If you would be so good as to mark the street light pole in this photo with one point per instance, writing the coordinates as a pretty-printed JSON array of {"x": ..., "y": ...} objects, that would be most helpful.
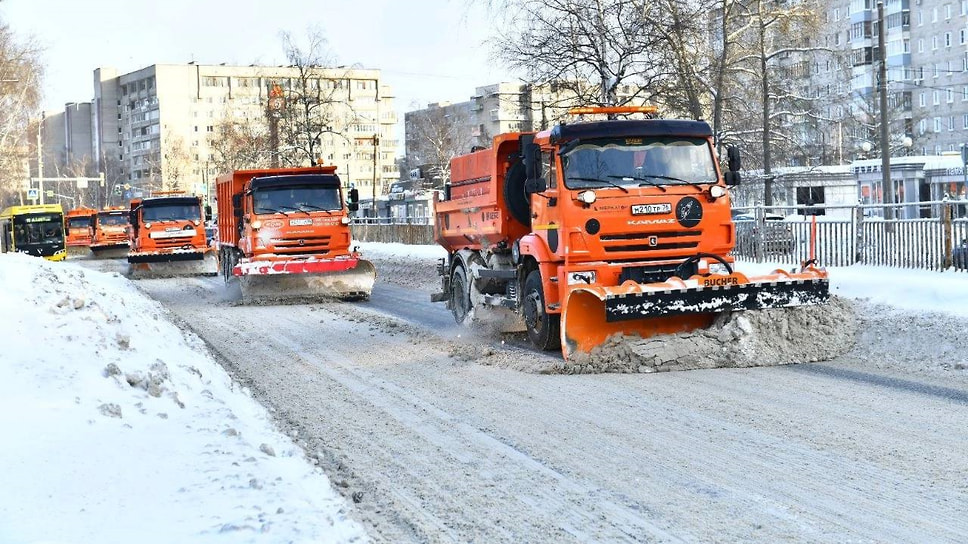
[
  {"x": 376, "y": 151},
  {"x": 886, "y": 185}
]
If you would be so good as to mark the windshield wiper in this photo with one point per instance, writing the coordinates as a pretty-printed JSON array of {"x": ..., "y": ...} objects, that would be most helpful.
[
  {"x": 599, "y": 180},
  {"x": 316, "y": 208},
  {"x": 263, "y": 210},
  {"x": 634, "y": 178},
  {"x": 670, "y": 178}
]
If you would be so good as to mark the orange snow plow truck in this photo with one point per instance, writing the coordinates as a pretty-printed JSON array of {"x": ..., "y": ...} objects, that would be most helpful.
[
  {"x": 598, "y": 228},
  {"x": 110, "y": 233},
  {"x": 80, "y": 229},
  {"x": 168, "y": 237},
  {"x": 285, "y": 233}
]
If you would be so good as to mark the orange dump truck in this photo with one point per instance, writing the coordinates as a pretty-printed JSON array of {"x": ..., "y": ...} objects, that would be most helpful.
[
  {"x": 110, "y": 233},
  {"x": 80, "y": 230},
  {"x": 167, "y": 237},
  {"x": 597, "y": 228},
  {"x": 285, "y": 234}
]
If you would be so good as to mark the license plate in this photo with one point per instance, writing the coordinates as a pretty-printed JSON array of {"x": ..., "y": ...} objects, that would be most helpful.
[
  {"x": 651, "y": 209},
  {"x": 300, "y": 222}
]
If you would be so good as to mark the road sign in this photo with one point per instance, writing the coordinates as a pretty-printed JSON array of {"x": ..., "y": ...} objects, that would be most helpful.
[
  {"x": 127, "y": 195},
  {"x": 49, "y": 194},
  {"x": 33, "y": 194},
  {"x": 81, "y": 183}
]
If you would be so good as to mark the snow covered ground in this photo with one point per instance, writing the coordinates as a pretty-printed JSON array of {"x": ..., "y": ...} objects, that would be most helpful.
[{"x": 119, "y": 427}]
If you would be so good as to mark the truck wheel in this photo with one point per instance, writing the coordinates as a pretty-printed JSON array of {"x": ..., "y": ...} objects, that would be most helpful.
[
  {"x": 460, "y": 295},
  {"x": 543, "y": 328}
]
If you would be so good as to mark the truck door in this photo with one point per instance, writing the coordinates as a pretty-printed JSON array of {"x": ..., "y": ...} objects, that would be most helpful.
[{"x": 545, "y": 216}]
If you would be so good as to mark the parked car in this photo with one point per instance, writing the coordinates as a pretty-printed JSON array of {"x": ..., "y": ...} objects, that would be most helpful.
[
  {"x": 959, "y": 255},
  {"x": 778, "y": 236}
]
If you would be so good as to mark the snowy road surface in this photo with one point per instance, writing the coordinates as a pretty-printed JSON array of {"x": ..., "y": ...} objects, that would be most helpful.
[{"x": 440, "y": 439}]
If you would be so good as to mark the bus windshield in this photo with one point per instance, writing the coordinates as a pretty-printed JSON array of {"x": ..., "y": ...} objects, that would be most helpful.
[
  {"x": 168, "y": 212},
  {"x": 305, "y": 198},
  {"x": 34, "y": 229},
  {"x": 79, "y": 222},
  {"x": 113, "y": 219},
  {"x": 639, "y": 162}
]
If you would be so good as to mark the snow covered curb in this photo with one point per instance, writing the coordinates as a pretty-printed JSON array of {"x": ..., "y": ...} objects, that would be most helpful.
[{"x": 120, "y": 427}]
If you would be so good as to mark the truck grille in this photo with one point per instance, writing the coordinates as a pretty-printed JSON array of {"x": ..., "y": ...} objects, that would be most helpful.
[
  {"x": 168, "y": 243},
  {"x": 650, "y": 241},
  {"x": 309, "y": 244}
]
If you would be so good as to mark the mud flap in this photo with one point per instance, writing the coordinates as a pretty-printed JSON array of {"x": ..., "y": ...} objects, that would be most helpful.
[
  {"x": 592, "y": 314},
  {"x": 354, "y": 283},
  {"x": 149, "y": 266}
]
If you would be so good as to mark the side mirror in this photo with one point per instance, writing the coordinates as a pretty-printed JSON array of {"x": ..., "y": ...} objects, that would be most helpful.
[
  {"x": 732, "y": 178},
  {"x": 732, "y": 159},
  {"x": 208, "y": 212},
  {"x": 352, "y": 206},
  {"x": 535, "y": 185},
  {"x": 237, "y": 201}
]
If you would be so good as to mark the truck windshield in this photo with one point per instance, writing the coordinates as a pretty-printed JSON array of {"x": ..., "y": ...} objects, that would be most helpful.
[
  {"x": 303, "y": 198},
  {"x": 635, "y": 162},
  {"x": 170, "y": 212},
  {"x": 79, "y": 222},
  {"x": 113, "y": 219},
  {"x": 38, "y": 229}
]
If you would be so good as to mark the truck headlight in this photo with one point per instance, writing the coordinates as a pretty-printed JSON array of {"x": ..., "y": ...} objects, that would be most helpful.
[
  {"x": 717, "y": 191},
  {"x": 147, "y": 226},
  {"x": 587, "y": 197},
  {"x": 581, "y": 278},
  {"x": 345, "y": 220},
  {"x": 257, "y": 224}
]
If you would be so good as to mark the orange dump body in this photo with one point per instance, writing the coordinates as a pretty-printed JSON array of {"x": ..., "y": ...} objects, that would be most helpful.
[
  {"x": 80, "y": 227},
  {"x": 627, "y": 222}
]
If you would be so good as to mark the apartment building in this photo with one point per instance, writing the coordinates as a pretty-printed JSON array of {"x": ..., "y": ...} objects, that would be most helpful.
[
  {"x": 154, "y": 127},
  {"x": 498, "y": 108},
  {"x": 927, "y": 75}
]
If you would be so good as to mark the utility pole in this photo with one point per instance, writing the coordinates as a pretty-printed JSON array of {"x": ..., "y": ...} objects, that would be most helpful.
[
  {"x": 40, "y": 159},
  {"x": 886, "y": 185},
  {"x": 376, "y": 151}
]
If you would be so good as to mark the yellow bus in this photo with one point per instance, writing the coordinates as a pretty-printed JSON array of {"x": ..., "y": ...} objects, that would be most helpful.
[{"x": 34, "y": 230}]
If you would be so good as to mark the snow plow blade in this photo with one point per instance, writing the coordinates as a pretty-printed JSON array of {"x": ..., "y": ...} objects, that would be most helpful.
[
  {"x": 309, "y": 280},
  {"x": 171, "y": 265},
  {"x": 78, "y": 251},
  {"x": 594, "y": 313},
  {"x": 116, "y": 251}
]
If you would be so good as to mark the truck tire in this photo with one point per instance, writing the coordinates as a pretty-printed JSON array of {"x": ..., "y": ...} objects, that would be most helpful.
[
  {"x": 543, "y": 328},
  {"x": 460, "y": 295}
]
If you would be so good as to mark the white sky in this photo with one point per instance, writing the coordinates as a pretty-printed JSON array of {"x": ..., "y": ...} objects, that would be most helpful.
[{"x": 428, "y": 50}]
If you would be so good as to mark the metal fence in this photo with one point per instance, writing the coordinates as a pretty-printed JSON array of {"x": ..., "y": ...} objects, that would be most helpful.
[{"x": 857, "y": 235}]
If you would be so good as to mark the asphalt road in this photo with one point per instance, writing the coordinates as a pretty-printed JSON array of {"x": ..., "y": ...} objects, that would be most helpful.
[{"x": 436, "y": 446}]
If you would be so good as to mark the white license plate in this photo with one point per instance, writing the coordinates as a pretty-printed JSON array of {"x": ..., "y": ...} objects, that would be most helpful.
[
  {"x": 651, "y": 209},
  {"x": 300, "y": 222}
]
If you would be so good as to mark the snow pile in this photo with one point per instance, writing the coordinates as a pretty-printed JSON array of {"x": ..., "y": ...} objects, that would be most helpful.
[
  {"x": 741, "y": 339},
  {"x": 413, "y": 267},
  {"x": 118, "y": 427}
]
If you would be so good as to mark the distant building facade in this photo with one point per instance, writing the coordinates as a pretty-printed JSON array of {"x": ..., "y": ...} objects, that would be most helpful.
[{"x": 158, "y": 122}]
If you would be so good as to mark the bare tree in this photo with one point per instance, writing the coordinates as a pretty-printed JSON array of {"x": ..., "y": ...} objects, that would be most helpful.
[
  {"x": 176, "y": 166},
  {"x": 435, "y": 137},
  {"x": 311, "y": 104},
  {"x": 573, "y": 42},
  {"x": 239, "y": 143},
  {"x": 21, "y": 74}
]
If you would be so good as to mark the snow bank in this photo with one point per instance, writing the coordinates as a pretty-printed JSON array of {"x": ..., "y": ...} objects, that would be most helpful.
[
  {"x": 905, "y": 288},
  {"x": 118, "y": 427}
]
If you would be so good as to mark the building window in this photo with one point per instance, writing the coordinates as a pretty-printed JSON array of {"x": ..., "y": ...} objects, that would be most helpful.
[
  {"x": 935, "y": 99},
  {"x": 949, "y": 95},
  {"x": 937, "y": 124},
  {"x": 947, "y": 12},
  {"x": 934, "y": 43},
  {"x": 947, "y": 39},
  {"x": 921, "y": 100},
  {"x": 964, "y": 121},
  {"x": 920, "y": 45}
]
